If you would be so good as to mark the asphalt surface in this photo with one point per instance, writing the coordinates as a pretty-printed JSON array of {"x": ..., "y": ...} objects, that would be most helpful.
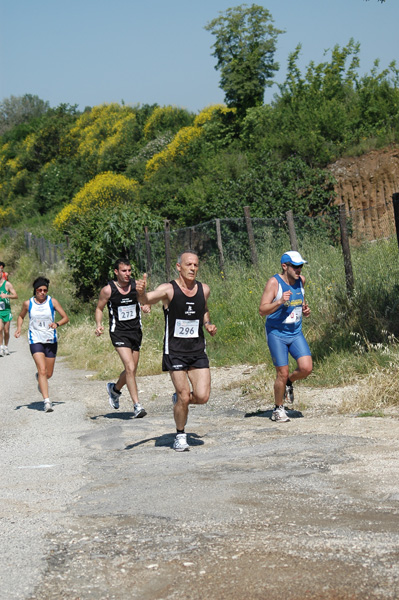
[{"x": 97, "y": 505}]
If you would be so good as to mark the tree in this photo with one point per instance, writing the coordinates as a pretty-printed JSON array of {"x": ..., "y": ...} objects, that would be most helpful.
[
  {"x": 20, "y": 109},
  {"x": 244, "y": 48}
]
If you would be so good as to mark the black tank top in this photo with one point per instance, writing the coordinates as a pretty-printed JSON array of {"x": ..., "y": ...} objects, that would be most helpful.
[
  {"x": 124, "y": 309},
  {"x": 184, "y": 317}
]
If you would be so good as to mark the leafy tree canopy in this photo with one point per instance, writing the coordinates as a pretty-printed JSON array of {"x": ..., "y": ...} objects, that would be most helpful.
[
  {"x": 20, "y": 109},
  {"x": 244, "y": 48}
]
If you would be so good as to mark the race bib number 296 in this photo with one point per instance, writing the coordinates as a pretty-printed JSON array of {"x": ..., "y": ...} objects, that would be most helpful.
[{"x": 186, "y": 329}]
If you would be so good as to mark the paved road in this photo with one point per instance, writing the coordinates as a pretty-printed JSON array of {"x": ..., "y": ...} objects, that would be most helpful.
[{"x": 96, "y": 505}]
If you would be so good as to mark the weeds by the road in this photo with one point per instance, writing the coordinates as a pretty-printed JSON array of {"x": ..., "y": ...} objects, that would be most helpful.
[{"x": 353, "y": 339}]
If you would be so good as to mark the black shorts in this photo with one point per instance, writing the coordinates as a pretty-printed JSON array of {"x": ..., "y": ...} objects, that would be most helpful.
[
  {"x": 175, "y": 363},
  {"x": 127, "y": 339},
  {"x": 49, "y": 350}
]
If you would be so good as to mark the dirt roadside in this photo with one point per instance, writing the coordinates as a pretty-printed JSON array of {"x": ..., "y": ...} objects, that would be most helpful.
[{"x": 96, "y": 505}]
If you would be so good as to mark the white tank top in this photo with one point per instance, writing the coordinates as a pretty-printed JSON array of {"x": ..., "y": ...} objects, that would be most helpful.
[{"x": 40, "y": 318}]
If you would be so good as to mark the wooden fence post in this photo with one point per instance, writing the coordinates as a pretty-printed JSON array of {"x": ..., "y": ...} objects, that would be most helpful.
[
  {"x": 42, "y": 252},
  {"x": 395, "y": 200},
  {"x": 350, "y": 284},
  {"x": 291, "y": 230},
  {"x": 251, "y": 237},
  {"x": 167, "y": 248},
  {"x": 148, "y": 250},
  {"x": 220, "y": 247}
]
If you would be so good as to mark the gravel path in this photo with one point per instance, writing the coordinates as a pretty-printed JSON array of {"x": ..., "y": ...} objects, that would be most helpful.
[{"x": 96, "y": 505}]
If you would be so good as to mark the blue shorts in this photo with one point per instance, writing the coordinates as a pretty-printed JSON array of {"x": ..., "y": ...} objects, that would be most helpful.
[
  {"x": 49, "y": 350},
  {"x": 279, "y": 348}
]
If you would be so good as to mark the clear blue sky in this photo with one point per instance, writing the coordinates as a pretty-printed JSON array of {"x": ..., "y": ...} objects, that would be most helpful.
[{"x": 89, "y": 52}]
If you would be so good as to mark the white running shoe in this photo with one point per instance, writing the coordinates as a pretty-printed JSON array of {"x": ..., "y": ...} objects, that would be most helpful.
[
  {"x": 6, "y": 351},
  {"x": 113, "y": 395},
  {"x": 48, "y": 406},
  {"x": 180, "y": 443},
  {"x": 139, "y": 411},
  {"x": 279, "y": 415},
  {"x": 1, "y": 351}
]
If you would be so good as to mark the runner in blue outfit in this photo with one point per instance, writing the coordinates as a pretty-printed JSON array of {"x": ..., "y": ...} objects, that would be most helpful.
[{"x": 283, "y": 303}]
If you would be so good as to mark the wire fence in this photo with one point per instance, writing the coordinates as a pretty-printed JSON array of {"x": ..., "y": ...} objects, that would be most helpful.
[
  {"x": 47, "y": 252},
  {"x": 232, "y": 240}
]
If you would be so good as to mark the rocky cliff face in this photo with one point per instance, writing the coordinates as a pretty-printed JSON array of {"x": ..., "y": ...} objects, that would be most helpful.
[{"x": 365, "y": 185}]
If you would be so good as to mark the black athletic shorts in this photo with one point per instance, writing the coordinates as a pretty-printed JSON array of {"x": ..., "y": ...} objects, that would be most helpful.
[
  {"x": 49, "y": 350},
  {"x": 175, "y": 363},
  {"x": 127, "y": 339}
]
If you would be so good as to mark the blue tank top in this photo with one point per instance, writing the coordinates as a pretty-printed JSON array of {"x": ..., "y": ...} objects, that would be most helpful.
[{"x": 287, "y": 320}]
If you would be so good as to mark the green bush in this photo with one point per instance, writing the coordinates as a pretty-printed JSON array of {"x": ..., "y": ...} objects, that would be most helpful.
[{"x": 98, "y": 239}]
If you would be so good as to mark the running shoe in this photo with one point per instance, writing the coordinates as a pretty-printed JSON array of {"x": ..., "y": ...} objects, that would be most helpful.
[
  {"x": 279, "y": 414},
  {"x": 139, "y": 411},
  {"x": 6, "y": 351},
  {"x": 1, "y": 351},
  {"x": 289, "y": 394},
  {"x": 180, "y": 443},
  {"x": 113, "y": 395},
  {"x": 48, "y": 406}
]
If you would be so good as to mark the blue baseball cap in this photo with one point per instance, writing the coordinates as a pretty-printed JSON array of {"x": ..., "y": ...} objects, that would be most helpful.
[{"x": 293, "y": 257}]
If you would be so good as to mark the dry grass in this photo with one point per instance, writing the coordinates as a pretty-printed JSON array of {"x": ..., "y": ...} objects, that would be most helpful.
[
  {"x": 83, "y": 350},
  {"x": 377, "y": 391}
]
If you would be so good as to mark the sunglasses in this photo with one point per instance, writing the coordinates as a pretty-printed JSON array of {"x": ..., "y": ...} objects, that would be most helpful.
[
  {"x": 295, "y": 266},
  {"x": 42, "y": 290}
]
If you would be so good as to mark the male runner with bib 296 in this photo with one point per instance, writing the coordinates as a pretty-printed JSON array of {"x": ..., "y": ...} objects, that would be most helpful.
[
  {"x": 120, "y": 295},
  {"x": 186, "y": 314},
  {"x": 283, "y": 303}
]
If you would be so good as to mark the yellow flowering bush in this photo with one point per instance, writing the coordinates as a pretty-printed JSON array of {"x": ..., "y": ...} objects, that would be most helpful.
[
  {"x": 166, "y": 118},
  {"x": 208, "y": 112},
  {"x": 29, "y": 142},
  {"x": 99, "y": 131},
  {"x": 18, "y": 183},
  {"x": 118, "y": 136},
  {"x": 8, "y": 166},
  {"x": 178, "y": 146},
  {"x": 6, "y": 216},
  {"x": 105, "y": 190},
  {"x": 183, "y": 138}
]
